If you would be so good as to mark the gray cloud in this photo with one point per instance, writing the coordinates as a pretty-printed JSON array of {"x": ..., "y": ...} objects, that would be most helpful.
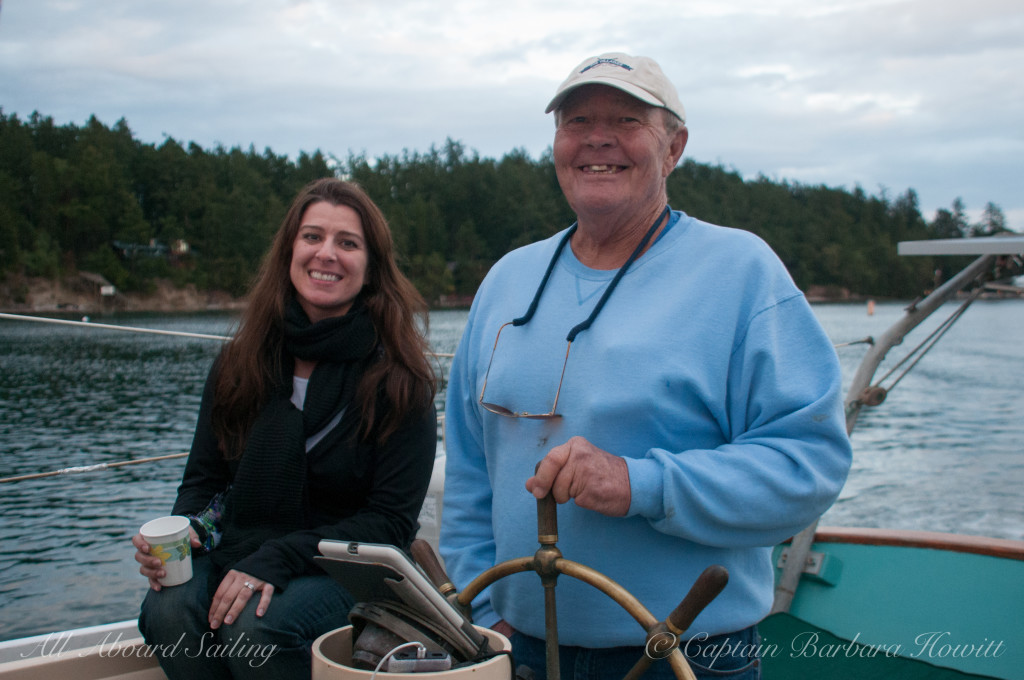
[{"x": 885, "y": 93}]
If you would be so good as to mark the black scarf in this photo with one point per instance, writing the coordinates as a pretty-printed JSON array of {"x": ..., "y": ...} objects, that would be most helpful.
[{"x": 267, "y": 498}]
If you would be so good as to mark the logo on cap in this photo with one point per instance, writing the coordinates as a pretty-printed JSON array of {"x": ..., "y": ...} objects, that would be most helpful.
[{"x": 613, "y": 62}]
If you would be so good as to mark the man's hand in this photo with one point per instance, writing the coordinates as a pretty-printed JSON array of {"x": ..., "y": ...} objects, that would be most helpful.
[{"x": 578, "y": 470}]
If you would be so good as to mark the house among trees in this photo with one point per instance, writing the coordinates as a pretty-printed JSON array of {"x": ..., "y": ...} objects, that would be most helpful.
[{"x": 129, "y": 251}]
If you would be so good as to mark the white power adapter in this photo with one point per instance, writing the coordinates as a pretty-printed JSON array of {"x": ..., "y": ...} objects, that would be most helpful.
[{"x": 419, "y": 661}]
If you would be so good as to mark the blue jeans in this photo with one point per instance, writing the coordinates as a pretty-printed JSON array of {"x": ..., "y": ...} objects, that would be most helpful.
[
  {"x": 277, "y": 645},
  {"x": 732, "y": 656}
]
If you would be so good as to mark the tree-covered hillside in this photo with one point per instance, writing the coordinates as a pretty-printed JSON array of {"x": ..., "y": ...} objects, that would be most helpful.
[{"x": 95, "y": 199}]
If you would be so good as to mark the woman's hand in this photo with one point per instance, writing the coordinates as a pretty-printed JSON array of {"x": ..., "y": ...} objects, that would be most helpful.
[
  {"x": 151, "y": 566},
  {"x": 234, "y": 592}
]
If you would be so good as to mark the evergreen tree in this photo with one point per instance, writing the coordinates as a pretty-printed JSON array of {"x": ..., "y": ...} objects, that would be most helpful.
[
  {"x": 992, "y": 222},
  {"x": 94, "y": 198},
  {"x": 950, "y": 223}
]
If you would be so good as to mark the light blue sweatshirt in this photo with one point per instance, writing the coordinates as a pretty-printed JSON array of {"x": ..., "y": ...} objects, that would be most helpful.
[{"x": 706, "y": 370}]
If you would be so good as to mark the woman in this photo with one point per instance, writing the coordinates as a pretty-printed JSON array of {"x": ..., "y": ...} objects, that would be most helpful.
[{"x": 317, "y": 421}]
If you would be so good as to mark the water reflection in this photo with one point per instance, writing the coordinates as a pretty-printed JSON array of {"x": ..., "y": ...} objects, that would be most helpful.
[{"x": 943, "y": 453}]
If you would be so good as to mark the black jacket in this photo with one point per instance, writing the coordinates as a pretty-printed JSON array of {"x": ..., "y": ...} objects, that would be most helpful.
[{"x": 355, "y": 490}]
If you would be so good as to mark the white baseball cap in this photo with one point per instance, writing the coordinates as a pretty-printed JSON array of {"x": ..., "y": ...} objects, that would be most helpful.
[{"x": 640, "y": 77}]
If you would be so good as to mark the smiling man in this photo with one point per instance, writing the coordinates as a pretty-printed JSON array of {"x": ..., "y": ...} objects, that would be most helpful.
[{"x": 661, "y": 377}]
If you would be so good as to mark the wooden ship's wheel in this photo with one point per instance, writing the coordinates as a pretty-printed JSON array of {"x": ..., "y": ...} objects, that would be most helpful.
[{"x": 663, "y": 637}]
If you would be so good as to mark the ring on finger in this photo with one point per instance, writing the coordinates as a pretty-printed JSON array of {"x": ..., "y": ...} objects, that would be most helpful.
[{"x": 249, "y": 586}]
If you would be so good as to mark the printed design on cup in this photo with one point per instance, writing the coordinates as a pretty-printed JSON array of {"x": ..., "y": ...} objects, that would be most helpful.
[{"x": 173, "y": 552}]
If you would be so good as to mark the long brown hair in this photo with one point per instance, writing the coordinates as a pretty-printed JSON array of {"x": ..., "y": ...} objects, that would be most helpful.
[{"x": 251, "y": 361}]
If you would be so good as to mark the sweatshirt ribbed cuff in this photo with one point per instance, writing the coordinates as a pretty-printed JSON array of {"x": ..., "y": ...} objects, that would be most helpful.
[{"x": 646, "y": 488}]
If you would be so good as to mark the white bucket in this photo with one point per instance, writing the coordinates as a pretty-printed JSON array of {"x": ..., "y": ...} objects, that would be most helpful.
[{"x": 332, "y": 652}]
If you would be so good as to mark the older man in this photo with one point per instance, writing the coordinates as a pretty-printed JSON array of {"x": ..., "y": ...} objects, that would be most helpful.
[{"x": 670, "y": 380}]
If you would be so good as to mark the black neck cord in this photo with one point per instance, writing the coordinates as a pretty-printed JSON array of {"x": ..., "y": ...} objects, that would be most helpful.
[{"x": 577, "y": 329}]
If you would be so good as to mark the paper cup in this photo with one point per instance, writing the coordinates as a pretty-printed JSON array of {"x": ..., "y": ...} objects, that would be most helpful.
[{"x": 168, "y": 539}]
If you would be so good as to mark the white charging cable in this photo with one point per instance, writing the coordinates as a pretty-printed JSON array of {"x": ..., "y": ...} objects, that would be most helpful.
[{"x": 421, "y": 650}]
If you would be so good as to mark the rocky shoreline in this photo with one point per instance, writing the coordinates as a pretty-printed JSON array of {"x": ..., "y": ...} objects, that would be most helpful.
[{"x": 82, "y": 295}]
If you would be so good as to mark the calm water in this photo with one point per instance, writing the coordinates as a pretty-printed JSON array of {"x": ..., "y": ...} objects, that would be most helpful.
[{"x": 942, "y": 454}]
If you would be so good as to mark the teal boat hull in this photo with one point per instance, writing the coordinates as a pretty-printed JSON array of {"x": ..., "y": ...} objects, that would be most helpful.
[{"x": 945, "y": 600}]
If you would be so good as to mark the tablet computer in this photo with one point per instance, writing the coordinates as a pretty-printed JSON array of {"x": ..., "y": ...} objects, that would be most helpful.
[{"x": 375, "y": 572}]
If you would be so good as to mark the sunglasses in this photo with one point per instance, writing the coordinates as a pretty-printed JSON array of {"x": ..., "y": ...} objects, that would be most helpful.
[{"x": 576, "y": 330}]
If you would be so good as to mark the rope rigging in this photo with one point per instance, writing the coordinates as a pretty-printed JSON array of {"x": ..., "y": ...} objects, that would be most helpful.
[
  {"x": 875, "y": 394},
  {"x": 90, "y": 468}
]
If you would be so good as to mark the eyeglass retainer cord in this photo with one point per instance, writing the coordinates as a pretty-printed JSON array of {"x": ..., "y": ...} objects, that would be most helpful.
[{"x": 577, "y": 329}]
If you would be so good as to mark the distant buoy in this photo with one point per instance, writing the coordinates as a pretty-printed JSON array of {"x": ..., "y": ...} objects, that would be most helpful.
[{"x": 871, "y": 307}]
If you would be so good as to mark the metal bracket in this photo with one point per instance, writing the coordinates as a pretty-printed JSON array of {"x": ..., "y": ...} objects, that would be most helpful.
[{"x": 818, "y": 566}]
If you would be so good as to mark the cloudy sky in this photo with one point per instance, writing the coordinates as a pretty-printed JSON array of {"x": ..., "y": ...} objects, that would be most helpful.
[{"x": 882, "y": 94}]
